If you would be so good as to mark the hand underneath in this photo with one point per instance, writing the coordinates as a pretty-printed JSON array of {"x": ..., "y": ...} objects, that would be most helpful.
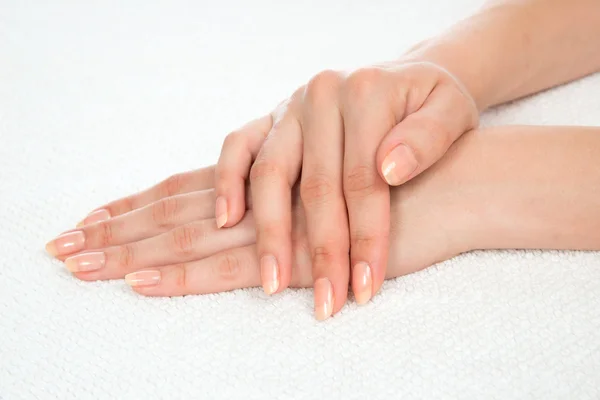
[
  {"x": 345, "y": 137},
  {"x": 165, "y": 241}
]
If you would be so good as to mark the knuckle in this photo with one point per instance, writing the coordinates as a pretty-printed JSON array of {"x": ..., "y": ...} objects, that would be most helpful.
[
  {"x": 362, "y": 83},
  {"x": 367, "y": 240},
  {"x": 228, "y": 267},
  {"x": 322, "y": 256},
  {"x": 128, "y": 204},
  {"x": 323, "y": 86},
  {"x": 233, "y": 139},
  {"x": 360, "y": 181},
  {"x": 180, "y": 279},
  {"x": 183, "y": 240},
  {"x": 173, "y": 185},
  {"x": 264, "y": 169},
  {"x": 104, "y": 234},
  {"x": 164, "y": 211},
  {"x": 315, "y": 189},
  {"x": 126, "y": 261},
  {"x": 269, "y": 232},
  {"x": 294, "y": 98}
]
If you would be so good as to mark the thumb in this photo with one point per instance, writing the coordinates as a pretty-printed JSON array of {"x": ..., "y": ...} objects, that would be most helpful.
[{"x": 423, "y": 137}]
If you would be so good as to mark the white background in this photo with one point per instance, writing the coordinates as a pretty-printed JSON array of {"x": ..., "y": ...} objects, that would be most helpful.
[{"x": 101, "y": 99}]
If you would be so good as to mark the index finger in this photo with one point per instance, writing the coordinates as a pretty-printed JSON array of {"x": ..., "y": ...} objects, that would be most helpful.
[{"x": 186, "y": 182}]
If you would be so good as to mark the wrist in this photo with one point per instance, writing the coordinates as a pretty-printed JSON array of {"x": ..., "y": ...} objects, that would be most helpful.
[
  {"x": 438, "y": 208},
  {"x": 484, "y": 52},
  {"x": 463, "y": 65},
  {"x": 524, "y": 187},
  {"x": 457, "y": 200}
]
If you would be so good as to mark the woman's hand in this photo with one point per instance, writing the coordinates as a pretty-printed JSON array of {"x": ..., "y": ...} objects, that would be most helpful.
[
  {"x": 345, "y": 137},
  {"x": 397, "y": 120},
  {"x": 166, "y": 243}
]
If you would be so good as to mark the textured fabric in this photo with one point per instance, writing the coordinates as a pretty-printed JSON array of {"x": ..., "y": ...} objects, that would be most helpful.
[{"x": 99, "y": 99}]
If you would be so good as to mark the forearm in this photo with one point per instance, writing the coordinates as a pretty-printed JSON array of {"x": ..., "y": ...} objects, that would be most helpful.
[
  {"x": 512, "y": 48},
  {"x": 527, "y": 187}
]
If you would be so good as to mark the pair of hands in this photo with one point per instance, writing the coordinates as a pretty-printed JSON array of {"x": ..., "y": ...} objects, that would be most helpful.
[{"x": 339, "y": 137}]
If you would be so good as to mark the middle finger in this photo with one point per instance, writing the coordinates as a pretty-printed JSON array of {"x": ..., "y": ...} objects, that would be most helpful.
[
  {"x": 148, "y": 221},
  {"x": 322, "y": 195},
  {"x": 193, "y": 241}
]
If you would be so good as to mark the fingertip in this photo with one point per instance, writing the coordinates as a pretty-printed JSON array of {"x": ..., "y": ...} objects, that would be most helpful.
[
  {"x": 340, "y": 296},
  {"x": 221, "y": 212},
  {"x": 399, "y": 165},
  {"x": 94, "y": 217},
  {"x": 362, "y": 282},
  {"x": 269, "y": 273},
  {"x": 323, "y": 299},
  {"x": 51, "y": 249},
  {"x": 230, "y": 204}
]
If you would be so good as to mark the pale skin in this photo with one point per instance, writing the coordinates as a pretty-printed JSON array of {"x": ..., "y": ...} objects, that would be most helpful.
[
  {"x": 347, "y": 136},
  {"x": 164, "y": 241},
  {"x": 343, "y": 138}
]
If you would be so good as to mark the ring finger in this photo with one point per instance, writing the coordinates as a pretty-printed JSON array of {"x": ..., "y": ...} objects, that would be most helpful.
[{"x": 186, "y": 182}]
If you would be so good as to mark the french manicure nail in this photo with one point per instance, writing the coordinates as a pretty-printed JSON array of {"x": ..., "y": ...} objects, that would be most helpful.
[
  {"x": 221, "y": 211},
  {"x": 398, "y": 165},
  {"x": 67, "y": 243},
  {"x": 362, "y": 283},
  {"x": 85, "y": 262},
  {"x": 323, "y": 299},
  {"x": 269, "y": 273},
  {"x": 95, "y": 216},
  {"x": 143, "y": 278}
]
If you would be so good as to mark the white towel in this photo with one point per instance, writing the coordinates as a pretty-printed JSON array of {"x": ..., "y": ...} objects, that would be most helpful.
[{"x": 99, "y": 99}]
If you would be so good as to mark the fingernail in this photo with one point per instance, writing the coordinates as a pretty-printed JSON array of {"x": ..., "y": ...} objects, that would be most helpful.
[
  {"x": 399, "y": 164},
  {"x": 269, "y": 273},
  {"x": 143, "y": 278},
  {"x": 323, "y": 299},
  {"x": 221, "y": 211},
  {"x": 67, "y": 243},
  {"x": 362, "y": 283},
  {"x": 85, "y": 262},
  {"x": 95, "y": 216}
]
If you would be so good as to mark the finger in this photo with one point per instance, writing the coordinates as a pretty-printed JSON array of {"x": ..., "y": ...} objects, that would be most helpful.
[
  {"x": 176, "y": 184},
  {"x": 232, "y": 269},
  {"x": 239, "y": 150},
  {"x": 369, "y": 112},
  {"x": 193, "y": 241},
  {"x": 271, "y": 179},
  {"x": 322, "y": 195},
  {"x": 423, "y": 138},
  {"x": 151, "y": 220}
]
